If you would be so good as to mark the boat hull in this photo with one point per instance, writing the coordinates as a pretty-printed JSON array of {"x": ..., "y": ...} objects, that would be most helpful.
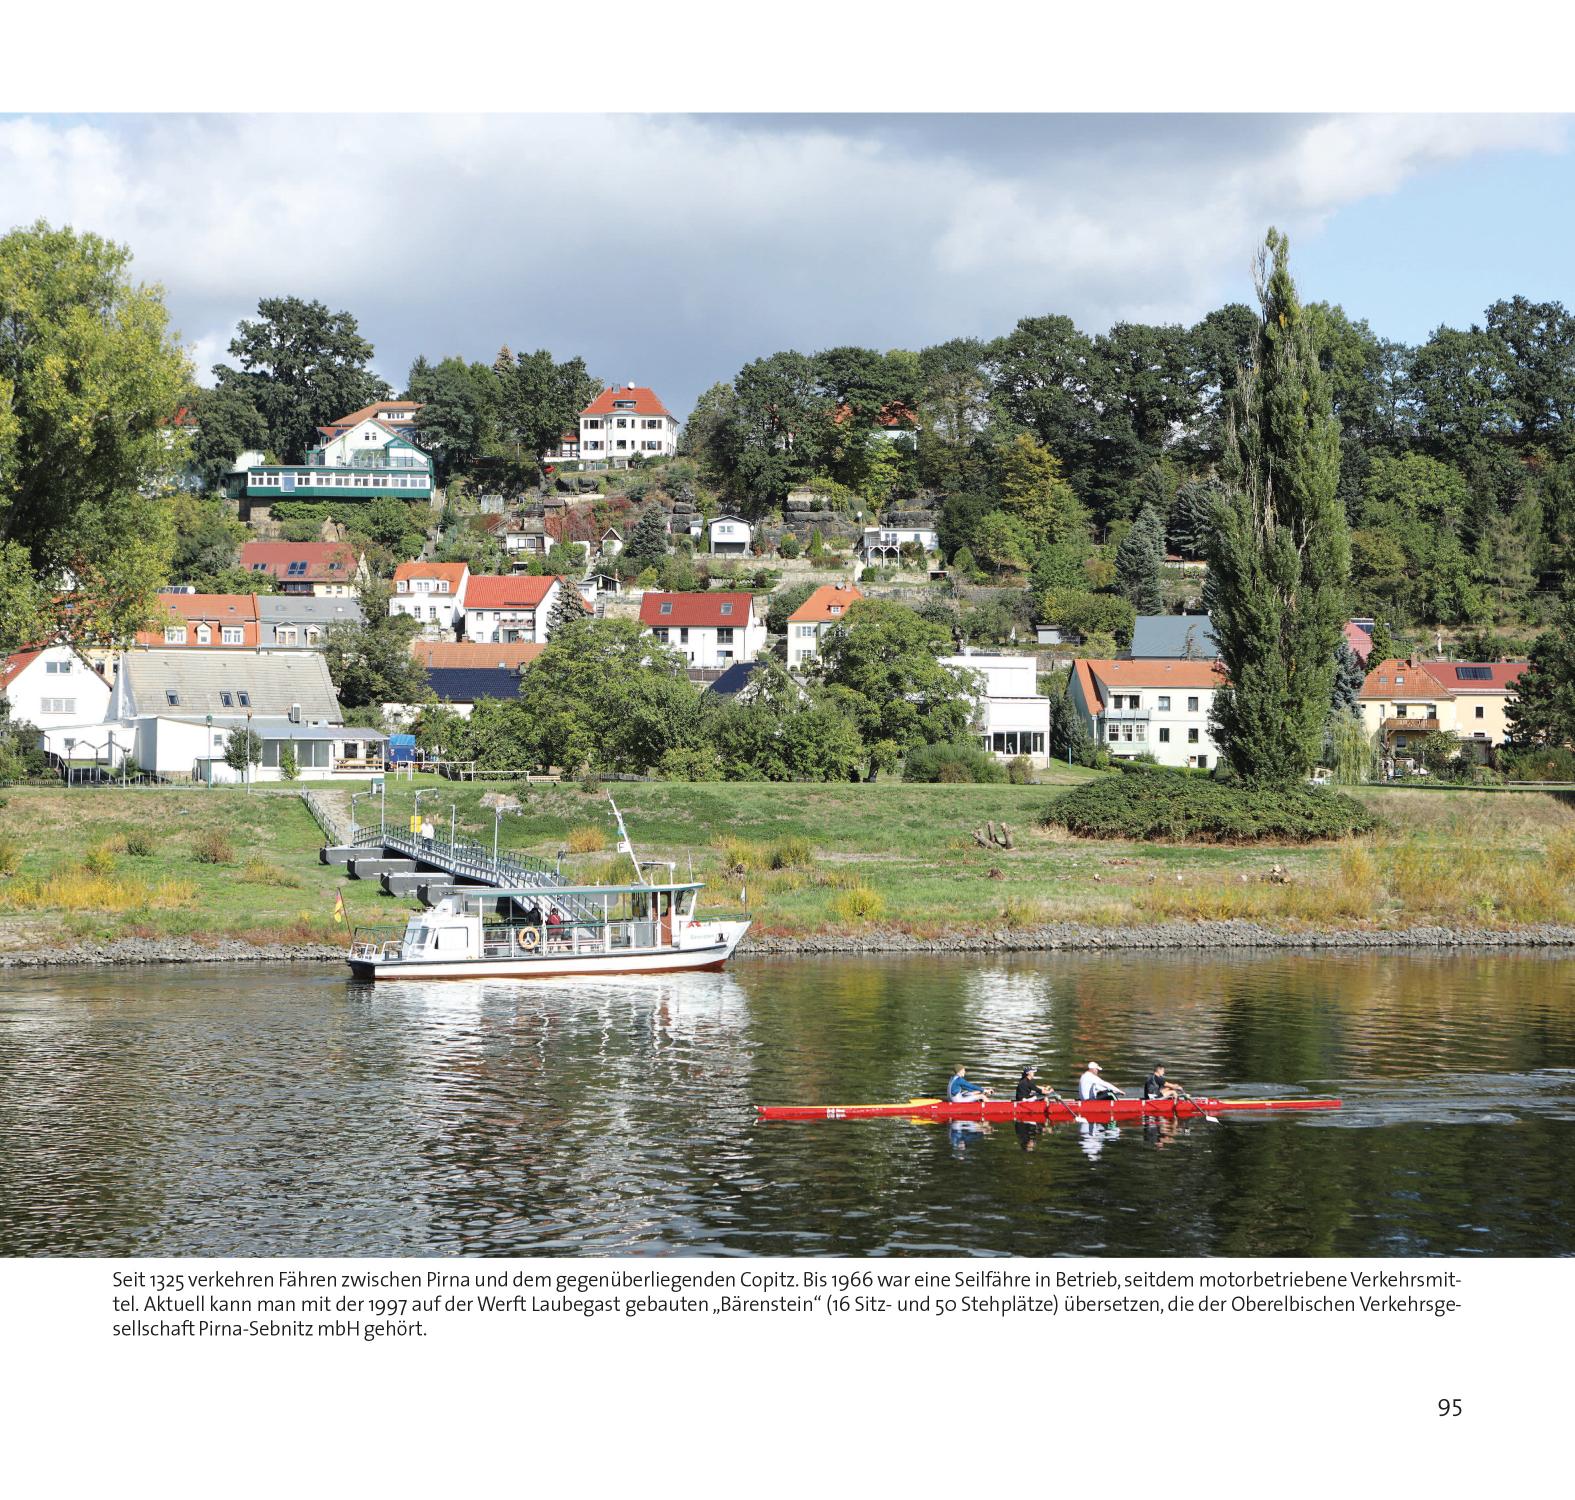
[
  {"x": 1100, "y": 1111},
  {"x": 551, "y": 965}
]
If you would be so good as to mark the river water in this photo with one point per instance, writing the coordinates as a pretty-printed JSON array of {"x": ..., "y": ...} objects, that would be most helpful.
[{"x": 285, "y": 1111}]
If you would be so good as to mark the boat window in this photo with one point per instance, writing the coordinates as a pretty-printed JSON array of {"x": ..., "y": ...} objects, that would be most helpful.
[
  {"x": 451, "y": 939},
  {"x": 416, "y": 935}
]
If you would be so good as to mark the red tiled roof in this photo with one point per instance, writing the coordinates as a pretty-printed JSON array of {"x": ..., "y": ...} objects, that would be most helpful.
[
  {"x": 16, "y": 664},
  {"x": 1396, "y": 677},
  {"x": 1086, "y": 680},
  {"x": 475, "y": 654},
  {"x": 319, "y": 558},
  {"x": 521, "y": 591},
  {"x": 695, "y": 609},
  {"x": 204, "y": 609},
  {"x": 828, "y": 602},
  {"x": 646, "y": 403},
  {"x": 1158, "y": 672},
  {"x": 453, "y": 572},
  {"x": 406, "y": 409},
  {"x": 894, "y": 414}
]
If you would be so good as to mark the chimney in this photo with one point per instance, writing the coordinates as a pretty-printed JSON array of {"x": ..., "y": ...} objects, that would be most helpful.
[{"x": 295, "y": 713}]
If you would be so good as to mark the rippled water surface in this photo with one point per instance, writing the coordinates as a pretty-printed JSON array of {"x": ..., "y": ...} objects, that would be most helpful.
[{"x": 284, "y": 1111}]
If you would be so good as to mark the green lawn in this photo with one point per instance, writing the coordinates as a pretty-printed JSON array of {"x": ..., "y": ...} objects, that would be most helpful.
[{"x": 813, "y": 858}]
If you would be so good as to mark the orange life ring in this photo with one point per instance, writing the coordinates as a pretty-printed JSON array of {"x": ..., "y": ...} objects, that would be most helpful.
[{"x": 527, "y": 938}]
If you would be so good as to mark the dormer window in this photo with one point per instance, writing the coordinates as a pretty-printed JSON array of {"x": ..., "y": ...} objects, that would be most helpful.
[
  {"x": 667, "y": 607},
  {"x": 836, "y": 609},
  {"x": 727, "y": 607},
  {"x": 204, "y": 635}
]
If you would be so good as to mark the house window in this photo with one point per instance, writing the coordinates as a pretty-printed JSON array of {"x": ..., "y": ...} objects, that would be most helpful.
[
  {"x": 727, "y": 607},
  {"x": 724, "y": 635},
  {"x": 227, "y": 700},
  {"x": 661, "y": 634},
  {"x": 1192, "y": 705},
  {"x": 593, "y": 422},
  {"x": 806, "y": 630},
  {"x": 65, "y": 666},
  {"x": 285, "y": 635},
  {"x": 404, "y": 585},
  {"x": 230, "y": 635},
  {"x": 1479, "y": 711},
  {"x": 1164, "y": 735},
  {"x": 243, "y": 698},
  {"x": 1164, "y": 702},
  {"x": 667, "y": 607},
  {"x": 1192, "y": 736},
  {"x": 172, "y": 698},
  {"x": 57, "y": 705},
  {"x": 174, "y": 635}
]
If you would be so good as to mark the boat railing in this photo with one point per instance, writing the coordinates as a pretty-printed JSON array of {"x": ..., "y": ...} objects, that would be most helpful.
[{"x": 525, "y": 939}]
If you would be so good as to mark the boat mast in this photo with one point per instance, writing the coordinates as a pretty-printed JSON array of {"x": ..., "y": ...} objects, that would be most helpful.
[{"x": 625, "y": 844}]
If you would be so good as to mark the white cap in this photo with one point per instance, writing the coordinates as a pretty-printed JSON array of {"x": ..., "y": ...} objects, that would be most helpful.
[{"x": 1093, "y": 1067}]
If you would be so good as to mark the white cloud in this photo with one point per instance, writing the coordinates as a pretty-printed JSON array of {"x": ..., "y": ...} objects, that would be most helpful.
[{"x": 673, "y": 248}]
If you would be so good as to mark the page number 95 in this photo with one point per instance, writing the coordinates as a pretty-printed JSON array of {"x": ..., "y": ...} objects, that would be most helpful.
[{"x": 1449, "y": 1406}]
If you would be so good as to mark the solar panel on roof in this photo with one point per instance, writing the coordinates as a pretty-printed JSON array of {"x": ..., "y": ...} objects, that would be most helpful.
[{"x": 1474, "y": 674}]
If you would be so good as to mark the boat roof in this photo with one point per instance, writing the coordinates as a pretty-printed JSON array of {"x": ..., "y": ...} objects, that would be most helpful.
[{"x": 537, "y": 891}]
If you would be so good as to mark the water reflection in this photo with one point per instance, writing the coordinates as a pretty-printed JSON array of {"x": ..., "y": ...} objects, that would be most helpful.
[{"x": 284, "y": 1112}]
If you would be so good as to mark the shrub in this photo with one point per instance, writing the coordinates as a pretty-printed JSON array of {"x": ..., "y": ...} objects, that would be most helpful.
[
  {"x": 788, "y": 546},
  {"x": 1020, "y": 771},
  {"x": 859, "y": 904},
  {"x": 1548, "y": 763},
  {"x": 212, "y": 847},
  {"x": 139, "y": 843},
  {"x": 587, "y": 838},
  {"x": 1018, "y": 913},
  {"x": 740, "y": 855},
  {"x": 10, "y": 856},
  {"x": 100, "y": 859},
  {"x": 259, "y": 872},
  {"x": 786, "y": 853},
  {"x": 957, "y": 762},
  {"x": 690, "y": 763},
  {"x": 1173, "y": 807},
  {"x": 289, "y": 767}
]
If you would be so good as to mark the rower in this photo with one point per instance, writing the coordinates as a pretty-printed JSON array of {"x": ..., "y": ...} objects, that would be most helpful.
[
  {"x": 1092, "y": 1086},
  {"x": 960, "y": 1091},
  {"x": 1027, "y": 1089},
  {"x": 1157, "y": 1086}
]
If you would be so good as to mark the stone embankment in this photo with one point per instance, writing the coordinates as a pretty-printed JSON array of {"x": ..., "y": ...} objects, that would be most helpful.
[{"x": 1057, "y": 937}]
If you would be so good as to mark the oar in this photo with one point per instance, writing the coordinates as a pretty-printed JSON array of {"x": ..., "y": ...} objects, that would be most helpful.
[
  {"x": 1071, "y": 1113},
  {"x": 1212, "y": 1119}
]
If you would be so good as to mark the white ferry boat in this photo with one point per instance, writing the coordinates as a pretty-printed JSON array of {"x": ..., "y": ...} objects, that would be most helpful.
[{"x": 550, "y": 931}]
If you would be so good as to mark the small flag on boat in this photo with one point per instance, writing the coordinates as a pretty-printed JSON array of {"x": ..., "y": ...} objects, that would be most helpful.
[
  {"x": 339, "y": 906},
  {"x": 743, "y": 895}
]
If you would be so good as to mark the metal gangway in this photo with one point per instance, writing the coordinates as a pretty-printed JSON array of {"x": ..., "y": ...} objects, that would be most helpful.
[{"x": 475, "y": 863}]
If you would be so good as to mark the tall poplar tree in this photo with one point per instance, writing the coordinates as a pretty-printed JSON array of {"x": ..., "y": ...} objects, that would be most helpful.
[{"x": 1279, "y": 555}]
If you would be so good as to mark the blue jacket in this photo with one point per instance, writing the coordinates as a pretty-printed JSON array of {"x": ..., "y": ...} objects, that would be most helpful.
[{"x": 960, "y": 1085}]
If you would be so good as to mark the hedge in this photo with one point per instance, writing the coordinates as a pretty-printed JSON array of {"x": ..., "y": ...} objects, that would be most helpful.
[{"x": 1171, "y": 806}]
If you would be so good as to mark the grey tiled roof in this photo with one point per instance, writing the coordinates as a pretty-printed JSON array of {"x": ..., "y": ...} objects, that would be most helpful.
[
  {"x": 274, "y": 681},
  {"x": 1166, "y": 635}
]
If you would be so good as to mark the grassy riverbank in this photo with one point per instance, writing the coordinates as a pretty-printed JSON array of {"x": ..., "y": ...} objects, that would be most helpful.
[{"x": 95, "y": 865}]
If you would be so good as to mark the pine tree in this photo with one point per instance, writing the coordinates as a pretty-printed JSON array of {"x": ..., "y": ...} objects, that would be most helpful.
[
  {"x": 1279, "y": 554},
  {"x": 567, "y": 607},
  {"x": 1348, "y": 678},
  {"x": 647, "y": 544},
  {"x": 1384, "y": 644},
  {"x": 1139, "y": 562}
]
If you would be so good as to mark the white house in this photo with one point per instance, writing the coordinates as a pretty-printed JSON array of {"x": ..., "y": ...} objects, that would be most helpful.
[
  {"x": 611, "y": 543},
  {"x": 431, "y": 592},
  {"x": 823, "y": 609},
  {"x": 1158, "y": 706},
  {"x": 52, "y": 686},
  {"x": 1014, "y": 716},
  {"x": 624, "y": 421},
  {"x": 728, "y": 536},
  {"x": 517, "y": 607},
  {"x": 707, "y": 630},
  {"x": 173, "y": 713},
  {"x": 884, "y": 544},
  {"x": 360, "y": 462}
]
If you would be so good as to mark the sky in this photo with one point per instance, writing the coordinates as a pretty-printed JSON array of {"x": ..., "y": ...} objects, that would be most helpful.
[{"x": 672, "y": 249}]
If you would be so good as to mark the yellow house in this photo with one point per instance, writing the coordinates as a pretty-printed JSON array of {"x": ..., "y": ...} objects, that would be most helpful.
[{"x": 1404, "y": 700}]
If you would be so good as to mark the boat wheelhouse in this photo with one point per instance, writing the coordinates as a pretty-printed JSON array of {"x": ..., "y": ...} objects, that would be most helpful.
[{"x": 649, "y": 927}]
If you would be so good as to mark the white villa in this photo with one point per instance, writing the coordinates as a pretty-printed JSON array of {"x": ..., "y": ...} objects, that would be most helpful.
[
  {"x": 817, "y": 614},
  {"x": 431, "y": 592},
  {"x": 883, "y": 544},
  {"x": 728, "y": 536},
  {"x": 1158, "y": 706},
  {"x": 516, "y": 607},
  {"x": 52, "y": 686},
  {"x": 626, "y": 420},
  {"x": 1014, "y": 716},
  {"x": 707, "y": 630}
]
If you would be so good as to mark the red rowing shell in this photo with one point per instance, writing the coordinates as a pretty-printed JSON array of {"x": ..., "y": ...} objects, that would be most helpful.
[{"x": 1101, "y": 1111}]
